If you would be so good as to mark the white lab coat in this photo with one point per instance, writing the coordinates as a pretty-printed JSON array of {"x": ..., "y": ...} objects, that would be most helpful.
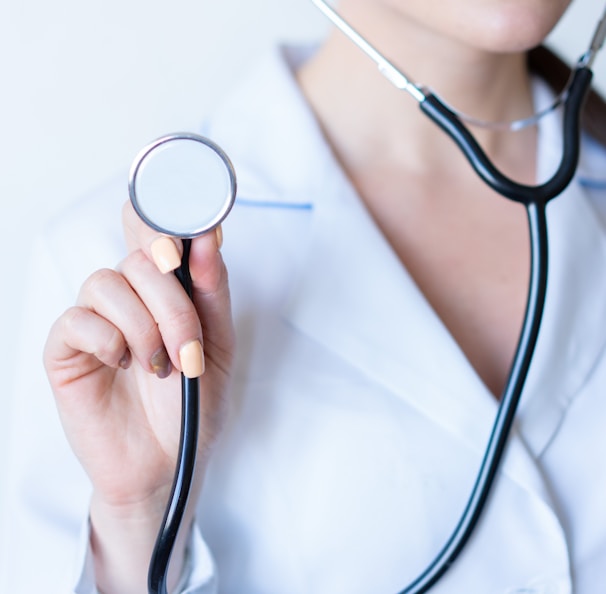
[{"x": 357, "y": 424}]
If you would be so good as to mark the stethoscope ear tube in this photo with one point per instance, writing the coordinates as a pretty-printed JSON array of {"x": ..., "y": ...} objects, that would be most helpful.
[
  {"x": 186, "y": 462},
  {"x": 454, "y": 127}
]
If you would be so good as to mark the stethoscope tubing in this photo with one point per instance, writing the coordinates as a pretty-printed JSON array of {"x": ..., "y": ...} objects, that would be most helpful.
[
  {"x": 186, "y": 462},
  {"x": 157, "y": 579},
  {"x": 535, "y": 198},
  {"x": 506, "y": 412},
  {"x": 444, "y": 117}
]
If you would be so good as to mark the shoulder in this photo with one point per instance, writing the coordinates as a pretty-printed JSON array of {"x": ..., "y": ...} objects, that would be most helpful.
[{"x": 269, "y": 131}]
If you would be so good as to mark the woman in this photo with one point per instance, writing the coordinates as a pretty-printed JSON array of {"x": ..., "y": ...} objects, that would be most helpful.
[{"x": 378, "y": 288}]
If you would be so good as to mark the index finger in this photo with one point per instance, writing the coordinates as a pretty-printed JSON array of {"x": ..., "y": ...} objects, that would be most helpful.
[{"x": 165, "y": 251}]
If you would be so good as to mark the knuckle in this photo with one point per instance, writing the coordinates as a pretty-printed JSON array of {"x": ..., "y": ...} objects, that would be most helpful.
[
  {"x": 111, "y": 348},
  {"x": 146, "y": 333},
  {"x": 101, "y": 276},
  {"x": 106, "y": 341},
  {"x": 72, "y": 316},
  {"x": 182, "y": 321},
  {"x": 100, "y": 281},
  {"x": 135, "y": 261},
  {"x": 73, "y": 319}
]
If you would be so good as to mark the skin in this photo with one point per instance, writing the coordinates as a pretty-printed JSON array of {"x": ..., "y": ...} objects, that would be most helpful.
[
  {"x": 466, "y": 248},
  {"x": 122, "y": 420}
]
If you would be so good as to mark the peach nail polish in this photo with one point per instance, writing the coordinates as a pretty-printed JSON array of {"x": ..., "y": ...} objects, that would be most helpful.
[
  {"x": 191, "y": 356},
  {"x": 165, "y": 254},
  {"x": 219, "y": 234}
]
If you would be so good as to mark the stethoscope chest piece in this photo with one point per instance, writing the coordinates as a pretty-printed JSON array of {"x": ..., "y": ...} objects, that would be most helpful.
[{"x": 182, "y": 185}]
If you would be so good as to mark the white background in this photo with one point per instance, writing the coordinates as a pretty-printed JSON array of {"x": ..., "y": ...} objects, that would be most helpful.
[{"x": 85, "y": 84}]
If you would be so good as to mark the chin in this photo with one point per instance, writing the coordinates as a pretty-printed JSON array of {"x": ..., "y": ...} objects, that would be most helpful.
[{"x": 518, "y": 25}]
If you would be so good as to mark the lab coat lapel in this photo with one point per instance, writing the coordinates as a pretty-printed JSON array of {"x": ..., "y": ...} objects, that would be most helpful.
[
  {"x": 352, "y": 294},
  {"x": 353, "y": 297},
  {"x": 356, "y": 299}
]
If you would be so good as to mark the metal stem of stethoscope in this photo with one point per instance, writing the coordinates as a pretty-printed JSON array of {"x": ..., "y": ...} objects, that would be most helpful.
[{"x": 535, "y": 198}]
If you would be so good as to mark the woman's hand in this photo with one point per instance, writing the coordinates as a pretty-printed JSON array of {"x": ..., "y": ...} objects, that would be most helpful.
[{"x": 113, "y": 363}]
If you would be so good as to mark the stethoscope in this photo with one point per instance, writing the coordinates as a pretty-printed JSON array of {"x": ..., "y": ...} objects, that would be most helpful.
[
  {"x": 535, "y": 199},
  {"x": 181, "y": 185},
  {"x": 184, "y": 185}
]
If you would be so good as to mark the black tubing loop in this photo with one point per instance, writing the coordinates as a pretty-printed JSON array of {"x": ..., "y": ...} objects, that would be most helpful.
[
  {"x": 157, "y": 579},
  {"x": 454, "y": 127},
  {"x": 505, "y": 416}
]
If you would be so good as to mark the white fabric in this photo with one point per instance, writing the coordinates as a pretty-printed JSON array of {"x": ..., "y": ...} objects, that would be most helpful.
[{"x": 357, "y": 423}]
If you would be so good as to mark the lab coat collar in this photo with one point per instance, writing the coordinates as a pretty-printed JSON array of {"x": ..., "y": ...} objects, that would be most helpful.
[
  {"x": 280, "y": 157},
  {"x": 354, "y": 297}
]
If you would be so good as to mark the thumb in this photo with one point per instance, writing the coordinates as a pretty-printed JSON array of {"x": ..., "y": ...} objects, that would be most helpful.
[{"x": 210, "y": 293}]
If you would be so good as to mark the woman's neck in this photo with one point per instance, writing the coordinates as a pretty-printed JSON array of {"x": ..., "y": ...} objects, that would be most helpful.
[
  {"x": 365, "y": 117},
  {"x": 467, "y": 251}
]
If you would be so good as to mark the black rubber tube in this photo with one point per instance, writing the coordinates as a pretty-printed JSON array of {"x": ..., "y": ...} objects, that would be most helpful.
[
  {"x": 535, "y": 199},
  {"x": 186, "y": 463},
  {"x": 452, "y": 125},
  {"x": 506, "y": 412}
]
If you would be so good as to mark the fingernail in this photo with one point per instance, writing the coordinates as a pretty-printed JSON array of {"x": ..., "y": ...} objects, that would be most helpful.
[
  {"x": 160, "y": 363},
  {"x": 191, "y": 356},
  {"x": 219, "y": 234},
  {"x": 165, "y": 254},
  {"x": 126, "y": 360}
]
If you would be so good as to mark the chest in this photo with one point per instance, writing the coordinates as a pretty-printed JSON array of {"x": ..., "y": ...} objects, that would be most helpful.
[{"x": 468, "y": 252}]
